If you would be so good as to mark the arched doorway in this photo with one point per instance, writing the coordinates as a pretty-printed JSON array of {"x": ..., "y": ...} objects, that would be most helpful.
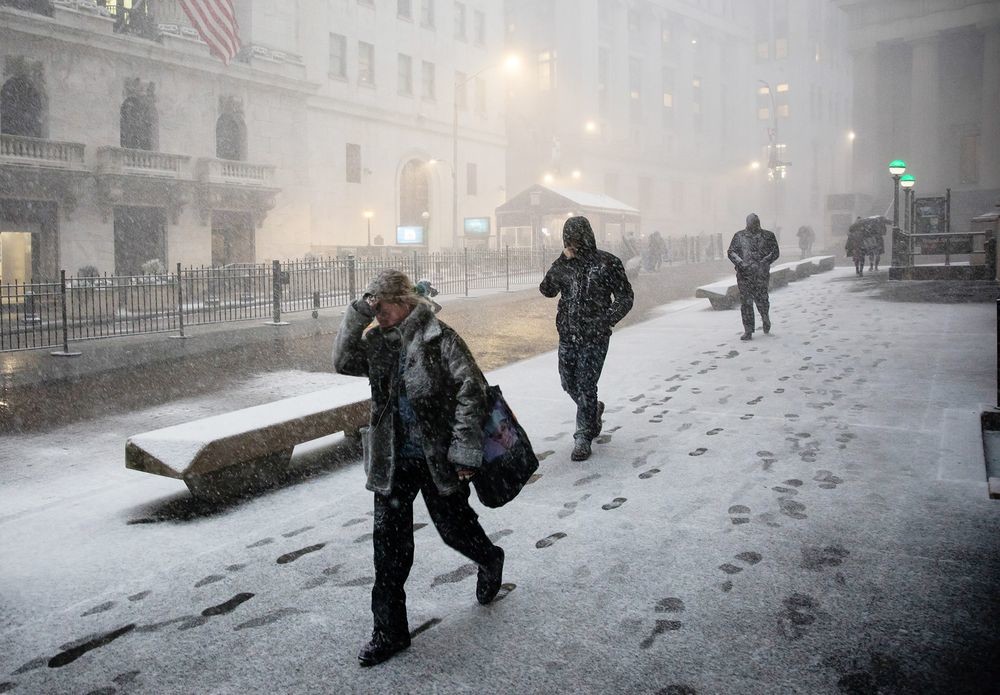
[
  {"x": 414, "y": 196},
  {"x": 138, "y": 124},
  {"x": 230, "y": 138},
  {"x": 20, "y": 108}
]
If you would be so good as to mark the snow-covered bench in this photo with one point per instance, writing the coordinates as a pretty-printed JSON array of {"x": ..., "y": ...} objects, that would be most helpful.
[
  {"x": 724, "y": 294},
  {"x": 222, "y": 455}
]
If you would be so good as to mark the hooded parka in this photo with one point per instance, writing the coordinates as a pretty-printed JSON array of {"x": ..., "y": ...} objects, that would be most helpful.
[
  {"x": 594, "y": 293},
  {"x": 445, "y": 387}
]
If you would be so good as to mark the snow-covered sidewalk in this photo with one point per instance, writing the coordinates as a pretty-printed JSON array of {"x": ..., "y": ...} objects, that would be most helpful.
[{"x": 798, "y": 513}]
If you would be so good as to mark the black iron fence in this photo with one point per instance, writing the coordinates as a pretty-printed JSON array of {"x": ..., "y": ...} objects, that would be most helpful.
[
  {"x": 46, "y": 314},
  {"x": 51, "y": 313}
]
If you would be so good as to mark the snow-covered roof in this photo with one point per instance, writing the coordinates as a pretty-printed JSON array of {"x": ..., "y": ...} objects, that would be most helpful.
[{"x": 592, "y": 200}]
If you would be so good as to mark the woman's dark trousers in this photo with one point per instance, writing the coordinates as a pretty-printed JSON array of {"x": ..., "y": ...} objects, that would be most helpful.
[
  {"x": 580, "y": 365},
  {"x": 454, "y": 519}
]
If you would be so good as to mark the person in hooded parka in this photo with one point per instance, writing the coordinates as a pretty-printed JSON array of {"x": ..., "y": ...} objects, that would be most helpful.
[
  {"x": 594, "y": 295},
  {"x": 429, "y": 404},
  {"x": 752, "y": 251}
]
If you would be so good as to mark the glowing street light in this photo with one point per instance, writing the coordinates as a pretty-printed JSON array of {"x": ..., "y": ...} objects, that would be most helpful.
[
  {"x": 754, "y": 165},
  {"x": 590, "y": 127},
  {"x": 368, "y": 215},
  {"x": 548, "y": 178},
  {"x": 851, "y": 135},
  {"x": 576, "y": 174}
]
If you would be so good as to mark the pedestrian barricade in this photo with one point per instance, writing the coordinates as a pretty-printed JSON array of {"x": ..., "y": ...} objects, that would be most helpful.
[
  {"x": 724, "y": 294},
  {"x": 222, "y": 456}
]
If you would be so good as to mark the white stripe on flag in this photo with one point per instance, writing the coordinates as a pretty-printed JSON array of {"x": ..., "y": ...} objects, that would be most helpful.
[{"x": 215, "y": 22}]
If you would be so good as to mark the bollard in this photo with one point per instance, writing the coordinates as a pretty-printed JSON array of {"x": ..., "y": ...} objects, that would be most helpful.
[
  {"x": 316, "y": 304},
  {"x": 998, "y": 353},
  {"x": 278, "y": 278}
]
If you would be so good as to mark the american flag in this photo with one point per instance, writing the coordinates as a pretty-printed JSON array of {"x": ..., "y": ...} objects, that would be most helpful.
[{"x": 215, "y": 21}]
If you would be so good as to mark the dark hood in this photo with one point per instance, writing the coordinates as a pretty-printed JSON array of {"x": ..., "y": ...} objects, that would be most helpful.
[
  {"x": 753, "y": 222},
  {"x": 577, "y": 233}
]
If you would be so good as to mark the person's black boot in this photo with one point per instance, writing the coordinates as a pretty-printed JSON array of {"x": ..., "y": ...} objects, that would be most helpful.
[
  {"x": 381, "y": 648},
  {"x": 581, "y": 450},
  {"x": 489, "y": 580},
  {"x": 748, "y": 335},
  {"x": 767, "y": 323}
]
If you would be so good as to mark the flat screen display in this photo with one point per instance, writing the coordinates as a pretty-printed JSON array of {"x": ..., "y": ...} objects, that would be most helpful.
[
  {"x": 409, "y": 235},
  {"x": 477, "y": 226}
]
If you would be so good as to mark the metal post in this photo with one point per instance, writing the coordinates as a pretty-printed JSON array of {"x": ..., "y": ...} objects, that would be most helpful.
[
  {"x": 65, "y": 327},
  {"x": 352, "y": 278},
  {"x": 947, "y": 210},
  {"x": 454, "y": 165},
  {"x": 465, "y": 255},
  {"x": 506, "y": 256},
  {"x": 180, "y": 305},
  {"x": 899, "y": 244},
  {"x": 998, "y": 353}
]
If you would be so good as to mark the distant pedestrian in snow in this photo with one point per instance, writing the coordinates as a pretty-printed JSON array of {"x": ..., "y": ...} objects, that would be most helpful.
[
  {"x": 594, "y": 295},
  {"x": 806, "y": 237},
  {"x": 654, "y": 252},
  {"x": 752, "y": 251},
  {"x": 429, "y": 404}
]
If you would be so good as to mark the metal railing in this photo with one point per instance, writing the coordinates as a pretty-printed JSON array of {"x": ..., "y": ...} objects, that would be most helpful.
[{"x": 32, "y": 314}]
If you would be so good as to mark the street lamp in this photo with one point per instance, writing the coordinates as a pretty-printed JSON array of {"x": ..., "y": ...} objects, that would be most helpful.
[
  {"x": 907, "y": 181},
  {"x": 897, "y": 168},
  {"x": 368, "y": 215},
  {"x": 510, "y": 64}
]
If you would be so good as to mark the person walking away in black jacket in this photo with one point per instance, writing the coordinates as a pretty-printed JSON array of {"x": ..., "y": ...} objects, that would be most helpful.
[
  {"x": 594, "y": 295},
  {"x": 429, "y": 404},
  {"x": 752, "y": 251}
]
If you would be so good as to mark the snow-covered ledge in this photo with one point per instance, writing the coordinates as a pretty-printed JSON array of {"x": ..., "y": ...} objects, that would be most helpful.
[{"x": 83, "y": 14}]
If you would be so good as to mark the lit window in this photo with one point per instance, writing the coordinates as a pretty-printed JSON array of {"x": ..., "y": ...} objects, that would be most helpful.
[
  {"x": 668, "y": 100},
  {"x": 783, "y": 87},
  {"x": 366, "y": 63},
  {"x": 763, "y": 91}
]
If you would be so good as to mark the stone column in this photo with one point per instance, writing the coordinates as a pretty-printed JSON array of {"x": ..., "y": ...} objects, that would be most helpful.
[
  {"x": 989, "y": 121},
  {"x": 924, "y": 119}
]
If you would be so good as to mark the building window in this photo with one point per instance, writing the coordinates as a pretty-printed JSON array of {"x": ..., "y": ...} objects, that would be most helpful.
[
  {"x": 366, "y": 63},
  {"x": 471, "y": 179},
  {"x": 546, "y": 71},
  {"x": 635, "y": 89},
  {"x": 611, "y": 183},
  {"x": 780, "y": 29},
  {"x": 461, "y": 85},
  {"x": 666, "y": 36},
  {"x": 338, "y": 56},
  {"x": 603, "y": 74},
  {"x": 668, "y": 96},
  {"x": 479, "y": 27},
  {"x": 763, "y": 113},
  {"x": 968, "y": 159},
  {"x": 404, "y": 76},
  {"x": 137, "y": 124},
  {"x": 460, "y": 21},
  {"x": 781, "y": 100},
  {"x": 634, "y": 22},
  {"x": 427, "y": 13},
  {"x": 763, "y": 103},
  {"x": 428, "y": 86},
  {"x": 404, "y": 9},
  {"x": 763, "y": 51},
  {"x": 414, "y": 195},
  {"x": 22, "y": 109},
  {"x": 230, "y": 138},
  {"x": 353, "y": 161},
  {"x": 480, "y": 96}
]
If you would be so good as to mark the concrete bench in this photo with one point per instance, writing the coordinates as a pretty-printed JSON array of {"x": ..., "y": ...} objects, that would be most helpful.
[
  {"x": 724, "y": 294},
  {"x": 225, "y": 455}
]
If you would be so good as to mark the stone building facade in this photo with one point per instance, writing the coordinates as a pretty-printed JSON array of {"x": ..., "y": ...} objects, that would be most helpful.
[
  {"x": 657, "y": 103},
  {"x": 927, "y": 91},
  {"x": 125, "y": 145}
]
